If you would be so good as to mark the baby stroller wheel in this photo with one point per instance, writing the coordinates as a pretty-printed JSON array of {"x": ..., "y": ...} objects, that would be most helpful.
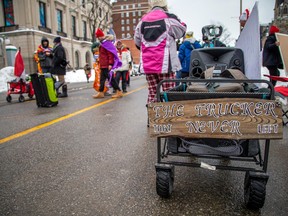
[
  {"x": 9, "y": 98},
  {"x": 254, "y": 190},
  {"x": 21, "y": 98},
  {"x": 164, "y": 181}
]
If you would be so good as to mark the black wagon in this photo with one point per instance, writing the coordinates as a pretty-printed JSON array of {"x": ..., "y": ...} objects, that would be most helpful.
[{"x": 214, "y": 125}]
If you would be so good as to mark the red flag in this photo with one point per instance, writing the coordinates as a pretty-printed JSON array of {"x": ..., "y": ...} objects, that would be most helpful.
[{"x": 19, "y": 64}]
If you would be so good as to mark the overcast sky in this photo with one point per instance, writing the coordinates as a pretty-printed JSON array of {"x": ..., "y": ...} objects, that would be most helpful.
[{"x": 198, "y": 13}]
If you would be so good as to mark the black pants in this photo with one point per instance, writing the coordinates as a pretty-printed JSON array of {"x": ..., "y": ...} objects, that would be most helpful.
[
  {"x": 123, "y": 75},
  {"x": 273, "y": 71},
  {"x": 104, "y": 76}
]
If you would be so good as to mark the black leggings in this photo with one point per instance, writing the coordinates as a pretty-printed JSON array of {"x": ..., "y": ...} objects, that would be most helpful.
[
  {"x": 104, "y": 76},
  {"x": 273, "y": 71},
  {"x": 123, "y": 75}
]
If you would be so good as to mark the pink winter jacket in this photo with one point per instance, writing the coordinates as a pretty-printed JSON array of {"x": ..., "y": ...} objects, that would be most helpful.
[{"x": 155, "y": 36}]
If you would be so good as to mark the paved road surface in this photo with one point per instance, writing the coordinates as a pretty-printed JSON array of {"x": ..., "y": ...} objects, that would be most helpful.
[{"x": 95, "y": 157}]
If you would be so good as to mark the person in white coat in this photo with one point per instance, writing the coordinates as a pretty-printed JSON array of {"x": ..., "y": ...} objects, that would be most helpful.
[{"x": 125, "y": 56}]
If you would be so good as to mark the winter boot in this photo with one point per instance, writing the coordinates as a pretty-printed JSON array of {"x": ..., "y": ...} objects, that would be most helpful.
[
  {"x": 99, "y": 95},
  {"x": 118, "y": 94},
  {"x": 64, "y": 92}
]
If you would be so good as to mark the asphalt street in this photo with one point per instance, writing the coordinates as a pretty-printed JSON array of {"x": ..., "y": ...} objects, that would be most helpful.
[{"x": 95, "y": 157}]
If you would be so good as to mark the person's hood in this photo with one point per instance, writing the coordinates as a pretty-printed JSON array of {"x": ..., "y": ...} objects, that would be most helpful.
[
  {"x": 191, "y": 40},
  {"x": 44, "y": 39}
]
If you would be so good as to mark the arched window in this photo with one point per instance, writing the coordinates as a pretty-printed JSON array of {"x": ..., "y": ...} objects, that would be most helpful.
[
  {"x": 88, "y": 57},
  {"x": 285, "y": 10},
  {"x": 77, "y": 60}
]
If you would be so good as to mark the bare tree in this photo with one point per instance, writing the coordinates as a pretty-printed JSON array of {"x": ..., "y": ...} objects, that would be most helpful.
[{"x": 97, "y": 16}]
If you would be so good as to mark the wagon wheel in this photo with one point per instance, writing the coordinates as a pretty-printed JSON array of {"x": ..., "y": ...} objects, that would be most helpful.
[
  {"x": 30, "y": 96},
  {"x": 254, "y": 192},
  {"x": 21, "y": 98},
  {"x": 9, "y": 98},
  {"x": 164, "y": 183}
]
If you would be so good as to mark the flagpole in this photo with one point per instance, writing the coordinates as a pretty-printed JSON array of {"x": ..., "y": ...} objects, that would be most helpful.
[{"x": 240, "y": 12}]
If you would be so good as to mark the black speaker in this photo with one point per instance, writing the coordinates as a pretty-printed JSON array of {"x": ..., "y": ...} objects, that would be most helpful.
[{"x": 221, "y": 57}]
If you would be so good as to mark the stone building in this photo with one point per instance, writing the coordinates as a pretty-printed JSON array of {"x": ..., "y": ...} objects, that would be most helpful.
[
  {"x": 281, "y": 15},
  {"x": 25, "y": 22},
  {"x": 125, "y": 16}
]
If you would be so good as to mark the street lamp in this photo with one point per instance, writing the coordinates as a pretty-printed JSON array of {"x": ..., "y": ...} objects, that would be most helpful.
[{"x": 4, "y": 41}]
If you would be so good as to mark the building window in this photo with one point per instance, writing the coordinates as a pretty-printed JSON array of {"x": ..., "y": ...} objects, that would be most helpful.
[
  {"x": 8, "y": 12},
  {"x": 42, "y": 13},
  {"x": 134, "y": 21},
  {"x": 85, "y": 30},
  {"x": 127, "y": 21},
  {"x": 133, "y": 6},
  {"x": 74, "y": 25},
  {"x": 134, "y": 27},
  {"x": 123, "y": 35},
  {"x": 127, "y": 14},
  {"x": 122, "y": 7},
  {"x": 139, "y": 13},
  {"x": 123, "y": 28},
  {"x": 134, "y": 13},
  {"x": 127, "y": 7},
  {"x": 59, "y": 20},
  {"x": 285, "y": 10},
  {"x": 122, "y": 15},
  {"x": 88, "y": 57},
  {"x": 122, "y": 22},
  {"x": 128, "y": 28}
]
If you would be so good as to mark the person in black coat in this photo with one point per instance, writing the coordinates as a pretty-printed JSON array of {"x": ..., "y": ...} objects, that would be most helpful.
[
  {"x": 44, "y": 54},
  {"x": 59, "y": 64},
  {"x": 271, "y": 54}
]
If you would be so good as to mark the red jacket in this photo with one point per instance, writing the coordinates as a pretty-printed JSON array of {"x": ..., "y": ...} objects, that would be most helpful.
[{"x": 106, "y": 58}]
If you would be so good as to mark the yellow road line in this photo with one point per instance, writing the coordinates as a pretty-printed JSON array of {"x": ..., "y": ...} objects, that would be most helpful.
[{"x": 38, "y": 127}]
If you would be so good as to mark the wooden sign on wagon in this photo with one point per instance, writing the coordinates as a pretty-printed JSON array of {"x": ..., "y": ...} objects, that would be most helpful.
[{"x": 225, "y": 118}]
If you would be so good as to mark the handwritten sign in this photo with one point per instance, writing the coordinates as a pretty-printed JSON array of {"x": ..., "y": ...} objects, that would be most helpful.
[{"x": 225, "y": 118}]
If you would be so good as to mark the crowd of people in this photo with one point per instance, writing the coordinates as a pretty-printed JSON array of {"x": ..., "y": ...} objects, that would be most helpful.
[{"x": 155, "y": 37}]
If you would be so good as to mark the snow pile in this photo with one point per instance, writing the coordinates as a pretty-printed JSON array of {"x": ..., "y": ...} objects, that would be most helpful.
[
  {"x": 6, "y": 75},
  {"x": 78, "y": 76}
]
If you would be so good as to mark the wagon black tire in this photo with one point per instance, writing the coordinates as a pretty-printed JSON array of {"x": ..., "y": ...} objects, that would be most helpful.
[
  {"x": 21, "y": 98},
  {"x": 9, "y": 98},
  {"x": 164, "y": 183},
  {"x": 254, "y": 193}
]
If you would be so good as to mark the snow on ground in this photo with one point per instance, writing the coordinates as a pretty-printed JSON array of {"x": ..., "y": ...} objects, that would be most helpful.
[{"x": 7, "y": 74}]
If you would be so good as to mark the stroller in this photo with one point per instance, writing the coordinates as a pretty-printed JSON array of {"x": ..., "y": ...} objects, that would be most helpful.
[
  {"x": 195, "y": 119},
  {"x": 19, "y": 87}
]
